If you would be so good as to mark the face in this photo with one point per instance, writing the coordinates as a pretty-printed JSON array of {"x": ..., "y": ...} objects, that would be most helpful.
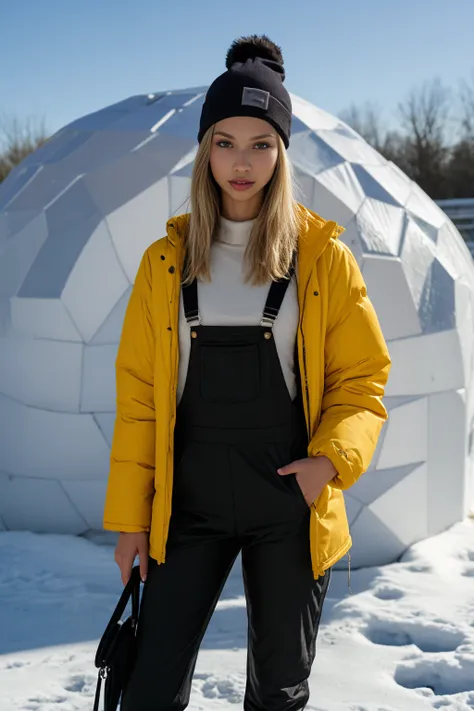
[{"x": 243, "y": 157}]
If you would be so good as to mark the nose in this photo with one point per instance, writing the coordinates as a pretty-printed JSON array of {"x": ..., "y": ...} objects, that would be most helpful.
[{"x": 241, "y": 162}]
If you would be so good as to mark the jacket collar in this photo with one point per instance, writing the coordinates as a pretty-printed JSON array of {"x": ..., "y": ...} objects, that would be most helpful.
[
  {"x": 313, "y": 240},
  {"x": 314, "y": 236}
]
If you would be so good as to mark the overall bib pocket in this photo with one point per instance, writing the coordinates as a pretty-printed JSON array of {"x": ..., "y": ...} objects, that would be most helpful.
[{"x": 230, "y": 373}]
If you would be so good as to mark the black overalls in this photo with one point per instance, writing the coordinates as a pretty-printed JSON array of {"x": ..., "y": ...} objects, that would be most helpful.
[{"x": 236, "y": 425}]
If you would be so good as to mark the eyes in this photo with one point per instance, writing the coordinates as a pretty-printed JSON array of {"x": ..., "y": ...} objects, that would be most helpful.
[{"x": 262, "y": 145}]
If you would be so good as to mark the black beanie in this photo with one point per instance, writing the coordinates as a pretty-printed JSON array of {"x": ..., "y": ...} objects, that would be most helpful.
[{"x": 251, "y": 86}]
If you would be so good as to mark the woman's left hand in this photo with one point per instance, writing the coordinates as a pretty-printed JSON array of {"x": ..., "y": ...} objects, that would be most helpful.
[{"x": 312, "y": 475}]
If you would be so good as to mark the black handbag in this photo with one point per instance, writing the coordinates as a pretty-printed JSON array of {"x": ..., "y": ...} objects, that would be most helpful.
[{"x": 117, "y": 648}]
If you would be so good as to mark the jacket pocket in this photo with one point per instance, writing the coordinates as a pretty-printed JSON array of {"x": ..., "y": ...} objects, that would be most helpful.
[{"x": 322, "y": 502}]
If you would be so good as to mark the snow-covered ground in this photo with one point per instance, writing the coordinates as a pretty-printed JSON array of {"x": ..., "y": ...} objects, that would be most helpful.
[{"x": 403, "y": 640}]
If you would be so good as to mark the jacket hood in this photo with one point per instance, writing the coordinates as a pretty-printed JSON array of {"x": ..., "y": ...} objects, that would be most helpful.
[{"x": 314, "y": 238}]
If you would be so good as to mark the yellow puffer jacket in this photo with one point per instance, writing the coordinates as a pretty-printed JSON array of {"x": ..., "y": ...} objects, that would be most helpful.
[{"x": 344, "y": 364}]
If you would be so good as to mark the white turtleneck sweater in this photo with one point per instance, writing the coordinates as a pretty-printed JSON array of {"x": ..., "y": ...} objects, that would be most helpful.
[{"x": 228, "y": 301}]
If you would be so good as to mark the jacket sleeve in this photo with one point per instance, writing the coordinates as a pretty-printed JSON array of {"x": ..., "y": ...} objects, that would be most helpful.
[
  {"x": 357, "y": 365},
  {"x": 130, "y": 488}
]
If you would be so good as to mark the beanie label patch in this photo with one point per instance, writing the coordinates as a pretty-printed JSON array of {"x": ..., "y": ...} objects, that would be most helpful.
[{"x": 255, "y": 97}]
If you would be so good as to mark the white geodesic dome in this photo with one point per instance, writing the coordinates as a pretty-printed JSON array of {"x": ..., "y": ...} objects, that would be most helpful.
[{"x": 75, "y": 218}]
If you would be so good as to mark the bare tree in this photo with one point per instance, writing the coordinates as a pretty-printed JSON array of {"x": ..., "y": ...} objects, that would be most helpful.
[
  {"x": 17, "y": 140},
  {"x": 460, "y": 171},
  {"x": 425, "y": 115},
  {"x": 366, "y": 121},
  {"x": 433, "y": 147},
  {"x": 467, "y": 103},
  {"x": 369, "y": 123}
]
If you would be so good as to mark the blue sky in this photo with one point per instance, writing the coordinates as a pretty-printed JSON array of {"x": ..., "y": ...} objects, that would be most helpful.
[{"x": 65, "y": 58}]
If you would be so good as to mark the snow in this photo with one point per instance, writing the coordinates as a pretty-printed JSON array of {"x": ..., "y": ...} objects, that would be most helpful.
[{"x": 403, "y": 640}]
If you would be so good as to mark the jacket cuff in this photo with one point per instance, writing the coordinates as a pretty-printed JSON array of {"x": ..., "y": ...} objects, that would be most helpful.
[
  {"x": 341, "y": 461},
  {"x": 124, "y": 527}
]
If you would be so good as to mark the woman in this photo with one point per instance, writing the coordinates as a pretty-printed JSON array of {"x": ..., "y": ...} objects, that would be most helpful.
[{"x": 250, "y": 376}]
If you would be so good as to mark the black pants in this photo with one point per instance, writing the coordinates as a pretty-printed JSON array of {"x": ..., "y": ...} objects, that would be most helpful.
[{"x": 229, "y": 498}]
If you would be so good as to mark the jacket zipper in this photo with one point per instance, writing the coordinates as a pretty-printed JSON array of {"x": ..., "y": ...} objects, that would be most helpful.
[
  {"x": 308, "y": 407},
  {"x": 306, "y": 386},
  {"x": 309, "y": 420},
  {"x": 173, "y": 393}
]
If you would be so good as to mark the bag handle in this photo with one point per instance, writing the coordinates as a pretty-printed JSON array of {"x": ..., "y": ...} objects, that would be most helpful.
[
  {"x": 132, "y": 588},
  {"x": 97, "y": 693}
]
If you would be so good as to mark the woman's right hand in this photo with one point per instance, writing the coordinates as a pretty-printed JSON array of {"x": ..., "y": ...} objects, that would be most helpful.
[{"x": 128, "y": 546}]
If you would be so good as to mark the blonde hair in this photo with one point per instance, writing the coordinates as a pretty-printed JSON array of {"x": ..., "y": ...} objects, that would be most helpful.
[{"x": 274, "y": 235}]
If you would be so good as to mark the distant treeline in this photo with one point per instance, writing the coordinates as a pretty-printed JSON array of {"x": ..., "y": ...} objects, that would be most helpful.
[{"x": 434, "y": 144}]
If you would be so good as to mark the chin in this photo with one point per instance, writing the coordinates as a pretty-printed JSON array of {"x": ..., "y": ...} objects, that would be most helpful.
[{"x": 243, "y": 196}]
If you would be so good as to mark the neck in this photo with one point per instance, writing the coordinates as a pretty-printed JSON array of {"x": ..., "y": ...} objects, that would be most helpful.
[
  {"x": 234, "y": 232},
  {"x": 240, "y": 211}
]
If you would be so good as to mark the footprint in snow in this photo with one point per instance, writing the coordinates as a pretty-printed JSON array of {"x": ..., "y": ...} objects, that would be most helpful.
[
  {"x": 447, "y": 703},
  {"x": 78, "y": 684},
  {"x": 228, "y": 688},
  {"x": 444, "y": 676},
  {"x": 15, "y": 665},
  {"x": 427, "y": 636},
  {"x": 39, "y": 703},
  {"x": 468, "y": 572},
  {"x": 420, "y": 568},
  {"x": 388, "y": 592}
]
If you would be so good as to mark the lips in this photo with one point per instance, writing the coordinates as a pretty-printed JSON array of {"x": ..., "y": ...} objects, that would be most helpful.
[{"x": 241, "y": 184}]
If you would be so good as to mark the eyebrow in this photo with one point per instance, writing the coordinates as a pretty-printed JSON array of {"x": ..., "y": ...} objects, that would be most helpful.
[{"x": 263, "y": 135}]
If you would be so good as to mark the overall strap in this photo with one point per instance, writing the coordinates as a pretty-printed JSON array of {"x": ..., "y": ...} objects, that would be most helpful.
[
  {"x": 190, "y": 300},
  {"x": 190, "y": 303},
  {"x": 275, "y": 297},
  {"x": 273, "y": 304}
]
